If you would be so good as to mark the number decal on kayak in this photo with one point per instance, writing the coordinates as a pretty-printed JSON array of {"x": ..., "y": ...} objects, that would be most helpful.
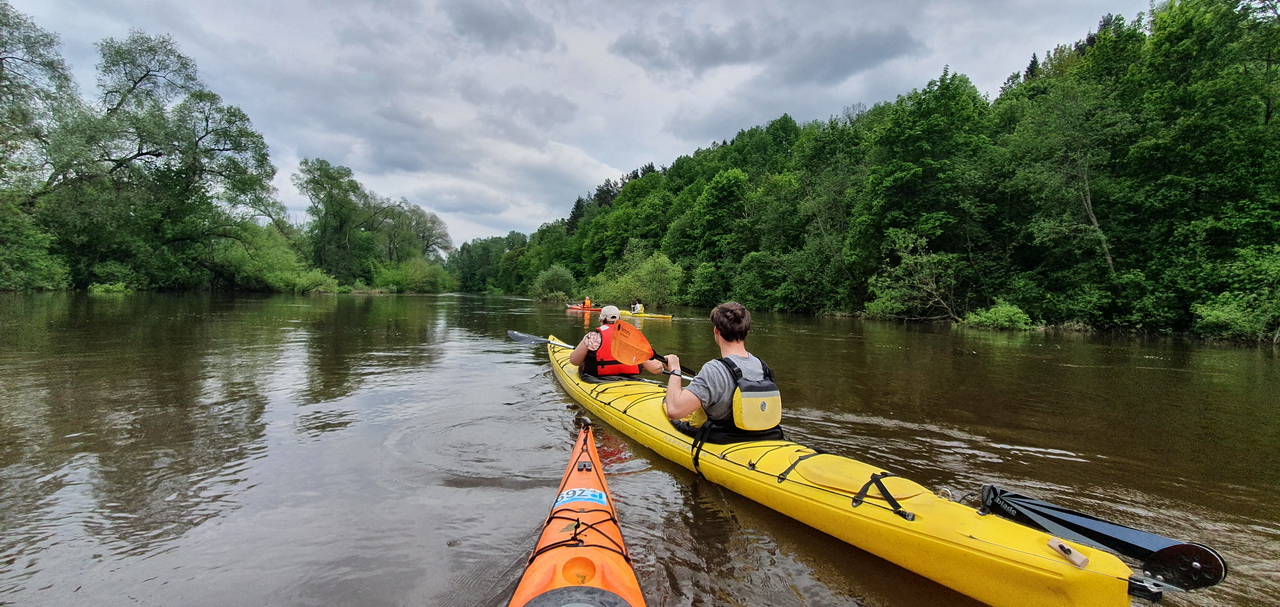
[{"x": 580, "y": 495}]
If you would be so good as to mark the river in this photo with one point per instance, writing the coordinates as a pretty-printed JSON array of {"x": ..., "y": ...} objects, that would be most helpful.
[{"x": 400, "y": 450}]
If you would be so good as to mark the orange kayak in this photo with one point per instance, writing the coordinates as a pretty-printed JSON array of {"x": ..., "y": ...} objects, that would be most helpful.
[{"x": 580, "y": 559}]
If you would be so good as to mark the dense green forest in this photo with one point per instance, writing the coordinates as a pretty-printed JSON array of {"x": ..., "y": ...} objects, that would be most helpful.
[
  {"x": 1128, "y": 181},
  {"x": 156, "y": 183}
]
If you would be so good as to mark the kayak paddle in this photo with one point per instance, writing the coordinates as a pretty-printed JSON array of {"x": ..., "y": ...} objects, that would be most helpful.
[
  {"x": 526, "y": 338},
  {"x": 1184, "y": 565}
]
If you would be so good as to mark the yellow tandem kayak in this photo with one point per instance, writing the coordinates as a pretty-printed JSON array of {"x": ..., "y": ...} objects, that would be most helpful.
[{"x": 991, "y": 559}]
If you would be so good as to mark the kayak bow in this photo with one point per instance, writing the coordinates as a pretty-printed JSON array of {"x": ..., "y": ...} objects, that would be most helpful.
[
  {"x": 580, "y": 559},
  {"x": 989, "y": 558}
]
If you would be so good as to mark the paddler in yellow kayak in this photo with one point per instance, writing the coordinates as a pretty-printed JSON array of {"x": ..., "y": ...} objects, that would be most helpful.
[
  {"x": 594, "y": 354},
  {"x": 736, "y": 391}
]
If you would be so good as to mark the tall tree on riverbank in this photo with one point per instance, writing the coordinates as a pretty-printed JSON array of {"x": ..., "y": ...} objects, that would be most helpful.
[
  {"x": 33, "y": 82},
  {"x": 144, "y": 182},
  {"x": 152, "y": 183},
  {"x": 353, "y": 232},
  {"x": 156, "y": 183}
]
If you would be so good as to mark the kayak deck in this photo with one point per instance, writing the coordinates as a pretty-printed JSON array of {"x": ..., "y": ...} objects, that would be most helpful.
[
  {"x": 580, "y": 558},
  {"x": 988, "y": 558}
]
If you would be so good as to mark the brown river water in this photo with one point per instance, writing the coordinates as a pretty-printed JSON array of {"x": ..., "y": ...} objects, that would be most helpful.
[{"x": 400, "y": 450}]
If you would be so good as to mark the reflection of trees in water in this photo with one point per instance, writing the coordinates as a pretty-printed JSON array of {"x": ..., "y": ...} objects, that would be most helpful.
[
  {"x": 350, "y": 338},
  {"x": 316, "y": 423},
  {"x": 147, "y": 407}
]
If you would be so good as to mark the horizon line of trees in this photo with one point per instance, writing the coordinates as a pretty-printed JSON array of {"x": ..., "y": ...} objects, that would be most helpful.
[
  {"x": 1129, "y": 181},
  {"x": 156, "y": 183}
]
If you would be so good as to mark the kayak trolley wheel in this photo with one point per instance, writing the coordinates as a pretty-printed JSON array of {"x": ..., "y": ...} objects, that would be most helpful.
[{"x": 1187, "y": 566}]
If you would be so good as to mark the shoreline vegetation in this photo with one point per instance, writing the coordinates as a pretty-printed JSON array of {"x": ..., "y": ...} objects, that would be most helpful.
[{"x": 1125, "y": 183}]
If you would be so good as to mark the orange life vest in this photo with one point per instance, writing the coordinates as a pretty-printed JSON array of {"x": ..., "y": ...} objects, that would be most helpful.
[{"x": 601, "y": 361}]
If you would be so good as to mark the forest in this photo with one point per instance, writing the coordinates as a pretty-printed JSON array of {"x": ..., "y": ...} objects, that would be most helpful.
[
  {"x": 155, "y": 183},
  {"x": 1129, "y": 182}
]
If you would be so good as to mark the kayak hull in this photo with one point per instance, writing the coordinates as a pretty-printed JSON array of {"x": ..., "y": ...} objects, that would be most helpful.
[
  {"x": 580, "y": 558},
  {"x": 985, "y": 557},
  {"x": 581, "y": 308}
]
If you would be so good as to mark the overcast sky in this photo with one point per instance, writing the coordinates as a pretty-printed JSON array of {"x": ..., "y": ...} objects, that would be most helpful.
[{"x": 496, "y": 115}]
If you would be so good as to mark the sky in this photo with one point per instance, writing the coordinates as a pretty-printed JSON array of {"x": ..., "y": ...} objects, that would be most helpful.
[{"x": 497, "y": 114}]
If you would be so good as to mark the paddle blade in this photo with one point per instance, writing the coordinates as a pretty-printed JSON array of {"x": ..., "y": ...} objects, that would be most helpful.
[
  {"x": 1071, "y": 525},
  {"x": 629, "y": 345}
]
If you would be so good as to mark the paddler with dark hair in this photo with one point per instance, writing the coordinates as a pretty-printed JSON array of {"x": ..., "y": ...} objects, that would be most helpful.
[
  {"x": 594, "y": 354},
  {"x": 736, "y": 391}
]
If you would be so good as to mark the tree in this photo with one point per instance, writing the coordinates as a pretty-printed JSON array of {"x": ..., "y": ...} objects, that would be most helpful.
[
  {"x": 407, "y": 231},
  {"x": 33, "y": 81},
  {"x": 1062, "y": 152},
  {"x": 143, "y": 186},
  {"x": 555, "y": 281},
  {"x": 717, "y": 214},
  {"x": 920, "y": 286},
  {"x": 924, "y": 180},
  {"x": 344, "y": 220}
]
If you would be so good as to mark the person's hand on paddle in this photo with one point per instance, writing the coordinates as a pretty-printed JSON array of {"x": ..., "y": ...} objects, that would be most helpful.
[{"x": 671, "y": 362}]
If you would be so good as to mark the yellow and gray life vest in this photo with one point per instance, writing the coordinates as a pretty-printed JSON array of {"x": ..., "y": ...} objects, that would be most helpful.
[{"x": 757, "y": 404}]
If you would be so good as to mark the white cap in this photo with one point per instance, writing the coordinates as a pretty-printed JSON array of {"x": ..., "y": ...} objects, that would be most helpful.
[{"x": 609, "y": 314}]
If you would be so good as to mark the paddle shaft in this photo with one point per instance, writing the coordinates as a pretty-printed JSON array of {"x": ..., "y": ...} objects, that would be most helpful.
[{"x": 526, "y": 338}]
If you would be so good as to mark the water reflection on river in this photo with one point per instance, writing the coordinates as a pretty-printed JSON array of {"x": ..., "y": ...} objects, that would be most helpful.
[{"x": 337, "y": 450}]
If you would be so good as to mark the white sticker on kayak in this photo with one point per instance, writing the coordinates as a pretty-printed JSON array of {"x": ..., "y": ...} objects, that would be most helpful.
[{"x": 581, "y": 495}]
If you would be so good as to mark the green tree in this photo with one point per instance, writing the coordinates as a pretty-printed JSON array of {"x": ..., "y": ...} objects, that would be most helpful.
[
  {"x": 555, "y": 281},
  {"x": 34, "y": 81},
  {"x": 920, "y": 286},
  {"x": 144, "y": 186},
  {"x": 716, "y": 218},
  {"x": 1064, "y": 163},
  {"x": 344, "y": 220},
  {"x": 261, "y": 258},
  {"x": 924, "y": 181},
  {"x": 1206, "y": 179}
]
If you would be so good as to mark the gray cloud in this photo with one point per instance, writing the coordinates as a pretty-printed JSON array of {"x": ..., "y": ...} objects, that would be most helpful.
[
  {"x": 538, "y": 108},
  {"x": 830, "y": 57},
  {"x": 400, "y": 139},
  {"x": 463, "y": 201},
  {"x": 697, "y": 51},
  {"x": 499, "y": 26}
]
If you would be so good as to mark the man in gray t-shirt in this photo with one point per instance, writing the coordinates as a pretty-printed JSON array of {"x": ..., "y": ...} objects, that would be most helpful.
[{"x": 712, "y": 390}]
